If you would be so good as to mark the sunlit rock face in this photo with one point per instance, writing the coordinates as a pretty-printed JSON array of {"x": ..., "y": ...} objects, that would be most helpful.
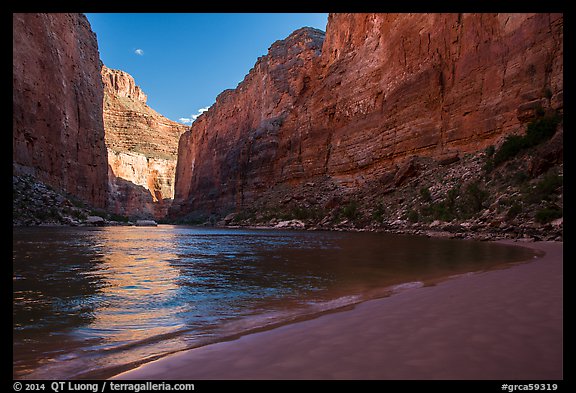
[
  {"x": 142, "y": 147},
  {"x": 57, "y": 127},
  {"x": 354, "y": 105}
]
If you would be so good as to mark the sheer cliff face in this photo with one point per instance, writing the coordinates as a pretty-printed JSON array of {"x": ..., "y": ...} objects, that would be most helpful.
[
  {"x": 383, "y": 88},
  {"x": 226, "y": 156},
  {"x": 142, "y": 147},
  {"x": 57, "y": 129},
  {"x": 433, "y": 85}
]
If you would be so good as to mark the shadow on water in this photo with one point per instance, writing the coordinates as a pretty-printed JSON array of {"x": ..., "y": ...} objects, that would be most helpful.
[
  {"x": 54, "y": 294},
  {"x": 88, "y": 300}
]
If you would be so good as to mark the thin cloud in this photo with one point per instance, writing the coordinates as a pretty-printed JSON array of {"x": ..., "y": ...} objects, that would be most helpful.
[
  {"x": 190, "y": 120},
  {"x": 139, "y": 52},
  {"x": 200, "y": 111}
]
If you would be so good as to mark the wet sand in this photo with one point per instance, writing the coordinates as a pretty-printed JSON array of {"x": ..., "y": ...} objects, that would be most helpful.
[{"x": 502, "y": 324}]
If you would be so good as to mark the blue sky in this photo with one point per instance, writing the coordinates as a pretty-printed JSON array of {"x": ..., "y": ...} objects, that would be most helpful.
[{"x": 183, "y": 61}]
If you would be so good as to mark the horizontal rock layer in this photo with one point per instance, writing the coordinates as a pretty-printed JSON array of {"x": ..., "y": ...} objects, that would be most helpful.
[
  {"x": 57, "y": 128},
  {"x": 142, "y": 148},
  {"x": 377, "y": 90},
  {"x": 122, "y": 84}
]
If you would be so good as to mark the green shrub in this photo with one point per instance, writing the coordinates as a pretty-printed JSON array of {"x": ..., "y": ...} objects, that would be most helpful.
[
  {"x": 548, "y": 214},
  {"x": 244, "y": 215},
  {"x": 514, "y": 210},
  {"x": 302, "y": 213},
  {"x": 537, "y": 131},
  {"x": 413, "y": 216},
  {"x": 98, "y": 212},
  {"x": 350, "y": 211},
  {"x": 78, "y": 214},
  {"x": 425, "y": 194},
  {"x": 512, "y": 145},
  {"x": 488, "y": 165},
  {"x": 379, "y": 211},
  {"x": 490, "y": 150},
  {"x": 451, "y": 197},
  {"x": 476, "y": 197},
  {"x": 439, "y": 211},
  {"x": 544, "y": 189},
  {"x": 519, "y": 178},
  {"x": 541, "y": 130},
  {"x": 118, "y": 217}
]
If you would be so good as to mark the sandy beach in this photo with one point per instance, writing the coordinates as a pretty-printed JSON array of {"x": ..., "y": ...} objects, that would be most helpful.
[{"x": 501, "y": 324}]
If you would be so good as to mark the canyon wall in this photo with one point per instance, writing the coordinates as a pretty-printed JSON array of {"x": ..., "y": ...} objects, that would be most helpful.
[
  {"x": 353, "y": 107},
  {"x": 227, "y": 154},
  {"x": 57, "y": 126},
  {"x": 142, "y": 147}
]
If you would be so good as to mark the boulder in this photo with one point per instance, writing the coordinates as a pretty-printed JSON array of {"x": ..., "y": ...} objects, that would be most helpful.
[
  {"x": 146, "y": 223},
  {"x": 95, "y": 220},
  {"x": 290, "y": 224}
]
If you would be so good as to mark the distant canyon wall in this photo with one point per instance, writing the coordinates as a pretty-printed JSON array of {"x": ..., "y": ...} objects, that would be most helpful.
[
  {"x": 57, "y": 126},
  {"x": 85, "y": 129},
  {"x": 142, "y": 147},
  {"x": 354, "y": 104}
]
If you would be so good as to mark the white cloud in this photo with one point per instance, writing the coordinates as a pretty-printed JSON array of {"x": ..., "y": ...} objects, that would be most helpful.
[
  {"x": 190, "y": 120},
  {"x": 139, "y": 52},
  {"x": 200, "y": 111}
]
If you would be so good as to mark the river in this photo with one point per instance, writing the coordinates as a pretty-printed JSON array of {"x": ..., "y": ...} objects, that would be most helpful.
[{"x": 91, "y": 302}]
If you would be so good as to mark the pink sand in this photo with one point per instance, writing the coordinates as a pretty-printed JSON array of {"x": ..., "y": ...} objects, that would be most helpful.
[{"x": 502, "y": 324}]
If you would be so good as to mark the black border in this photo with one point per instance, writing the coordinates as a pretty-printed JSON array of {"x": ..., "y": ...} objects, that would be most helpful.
[{"x": 351, "y": 6}]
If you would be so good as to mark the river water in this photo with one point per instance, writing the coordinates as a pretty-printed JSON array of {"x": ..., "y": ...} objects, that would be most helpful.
[{"x": 91, "y": 302}]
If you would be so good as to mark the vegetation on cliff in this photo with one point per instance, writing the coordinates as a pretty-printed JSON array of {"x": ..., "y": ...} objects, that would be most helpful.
[{"x": 520, "y": 197}]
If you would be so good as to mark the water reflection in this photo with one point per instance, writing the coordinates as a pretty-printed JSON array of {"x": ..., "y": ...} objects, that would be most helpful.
[
  {"x": 137, "y": 300},
  {"x": 87, "y": 300}
]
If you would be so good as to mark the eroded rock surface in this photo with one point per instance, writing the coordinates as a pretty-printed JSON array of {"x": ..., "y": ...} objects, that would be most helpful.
[
  {"x": 142, "y": 148},
  {"x": 349, "y": 108},
  {"x": 57, "y": 127}
]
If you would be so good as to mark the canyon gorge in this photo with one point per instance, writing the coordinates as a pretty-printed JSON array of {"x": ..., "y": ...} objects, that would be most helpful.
[
  {"x": 324, "y": 124},
  {"x": 352, "y": 107},
  {"x": 87, "y": 132}
]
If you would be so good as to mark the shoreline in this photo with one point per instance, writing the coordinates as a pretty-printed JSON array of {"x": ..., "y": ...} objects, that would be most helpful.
[{"x": 497, "y": 324}]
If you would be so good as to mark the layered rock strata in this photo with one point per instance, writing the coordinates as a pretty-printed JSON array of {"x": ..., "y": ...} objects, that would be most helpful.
[
  {"x": 229, "y": 153},
  {"x": 57, "y": 127},
  {"x": 353, "y": 108},
  {"x": 142, "y": 148}
]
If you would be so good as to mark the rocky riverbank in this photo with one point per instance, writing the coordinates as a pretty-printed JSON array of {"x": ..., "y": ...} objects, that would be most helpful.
[
  {"x": 37, "y": 204},
  {"x": 489, "y": 195},
  {"x": 462, "y": 199}
]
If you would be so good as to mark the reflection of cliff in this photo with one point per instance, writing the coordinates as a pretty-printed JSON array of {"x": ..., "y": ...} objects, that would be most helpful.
[
  {"x": 57, "y": 130},
  {"x": 142, "y": 147},
  {"x": 352, "y": 108}
]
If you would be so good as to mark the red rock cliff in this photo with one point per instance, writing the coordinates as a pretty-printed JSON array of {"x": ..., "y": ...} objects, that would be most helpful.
[
  {"x": 383, "y": 88},
  {"x": 57, "y": 128},
  {"x": 227, "y": 153},
  {"x": 142, "y": 147}
]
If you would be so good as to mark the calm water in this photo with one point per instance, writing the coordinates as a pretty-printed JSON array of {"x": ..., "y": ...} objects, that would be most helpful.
[{"x": 90, "y": 302}]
